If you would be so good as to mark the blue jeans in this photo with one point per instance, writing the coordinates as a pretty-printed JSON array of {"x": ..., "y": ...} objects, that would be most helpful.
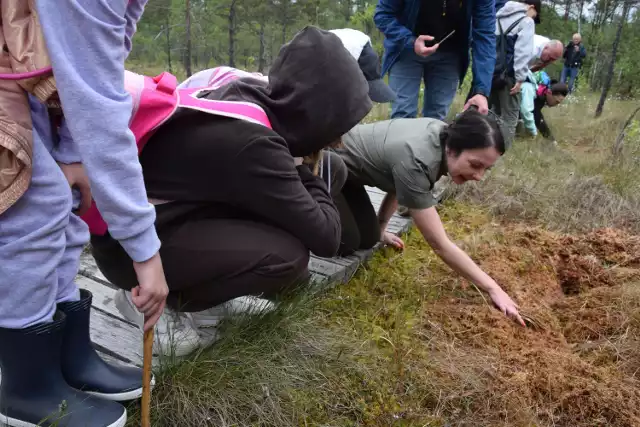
[
  {"x": 571, "y": 73},
  {"x": 440, "y": 74}
]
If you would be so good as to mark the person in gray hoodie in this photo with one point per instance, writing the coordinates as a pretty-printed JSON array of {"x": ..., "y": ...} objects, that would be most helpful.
[{"x": 515, "y": 29}]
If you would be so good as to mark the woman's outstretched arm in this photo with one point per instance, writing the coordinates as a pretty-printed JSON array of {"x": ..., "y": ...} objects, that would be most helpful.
[{"x": 429, "y": 223}]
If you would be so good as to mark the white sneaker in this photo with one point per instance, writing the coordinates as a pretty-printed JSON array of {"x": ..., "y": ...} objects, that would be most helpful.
[
  {"x": 242, "y": 305},
  {"x": 174, "y": 333}
]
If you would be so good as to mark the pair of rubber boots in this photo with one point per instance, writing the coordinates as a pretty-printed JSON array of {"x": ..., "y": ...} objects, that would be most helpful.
[{"x": 52, "y": 376}]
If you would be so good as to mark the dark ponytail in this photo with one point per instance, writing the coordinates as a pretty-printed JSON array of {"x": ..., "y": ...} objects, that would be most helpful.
[
  {"x": 560, "y": 89},
  {"x": 472, "y": 130}
]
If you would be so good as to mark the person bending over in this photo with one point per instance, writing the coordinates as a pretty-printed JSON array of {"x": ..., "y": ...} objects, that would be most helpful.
[
  {"x": 237, "y": 214},
  {"x": 405, "y": 158},
  {"x": 534, "y": 99}
]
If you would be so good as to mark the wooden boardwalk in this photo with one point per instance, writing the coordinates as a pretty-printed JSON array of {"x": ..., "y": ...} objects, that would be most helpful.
[{"x": 119, "y": 340}]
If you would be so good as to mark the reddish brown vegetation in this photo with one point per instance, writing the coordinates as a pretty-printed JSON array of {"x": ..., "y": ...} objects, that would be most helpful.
[{"x": 582, "y": 367}]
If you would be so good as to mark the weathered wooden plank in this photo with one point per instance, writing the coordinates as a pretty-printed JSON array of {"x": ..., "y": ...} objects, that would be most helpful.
[
  {"x": 350, "y": 263},
  {"x": 332, "y": 271},
  {"x": 102, "y": 295},
  {"x": 364, "y": 254},
  {"x": 318, "y": 279},
  {"x": 402, "y": 223},
  {"x": 89, "y": 268},
  {"x": 375, "y": 197},
  {"x": 375, "y": 190},
  {"x": 110, "y": 359},
  {"x": 116, "y": 338},
  {"x": 393, "y": 228},
  {"x": 398, "y": 225}
]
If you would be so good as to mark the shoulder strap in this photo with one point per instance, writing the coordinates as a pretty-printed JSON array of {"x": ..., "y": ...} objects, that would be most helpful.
[
  {"x": 188, "y": 98},
  {"x": 512, "y": 26},
  {"x": 243, "y": 110}
]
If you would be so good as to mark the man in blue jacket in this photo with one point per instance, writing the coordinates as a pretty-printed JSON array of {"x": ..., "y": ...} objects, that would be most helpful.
[{"x": 416, "y": 50}]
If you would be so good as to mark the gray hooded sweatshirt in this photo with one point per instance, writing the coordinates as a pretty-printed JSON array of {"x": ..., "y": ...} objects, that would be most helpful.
[{"x": 523, "y": 34}]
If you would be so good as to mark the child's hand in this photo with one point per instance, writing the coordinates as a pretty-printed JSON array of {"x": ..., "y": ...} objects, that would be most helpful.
[
  {"x": 76, "y": 177},
  {"x": 151, "y": 293},
  {"x": 516, "y": 88}
]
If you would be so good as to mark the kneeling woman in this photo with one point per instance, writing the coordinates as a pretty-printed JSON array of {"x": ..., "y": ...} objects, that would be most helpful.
[
  {"x": 405, "y": 158},
  {"x": 236, "y": 213}
]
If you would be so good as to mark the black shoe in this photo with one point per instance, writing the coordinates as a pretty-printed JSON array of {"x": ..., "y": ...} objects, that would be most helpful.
[
  {"x": 83, "y": 368},
  {"x": 33, "y": 391}
]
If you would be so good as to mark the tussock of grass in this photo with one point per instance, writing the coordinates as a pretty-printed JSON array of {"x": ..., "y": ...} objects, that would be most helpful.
[
  {"x": 275, "y": 369},
  {"x": 541, "y": 183},
  {"x": 573, "y": 187}
]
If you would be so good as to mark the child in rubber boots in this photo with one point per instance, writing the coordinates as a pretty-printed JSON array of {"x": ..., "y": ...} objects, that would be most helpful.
[{"x": 51, "y": 374}]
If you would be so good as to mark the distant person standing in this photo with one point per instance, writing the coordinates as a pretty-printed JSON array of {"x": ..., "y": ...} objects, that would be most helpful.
[
  {"x": 574, "y": 54},
  {"x": 429, "y": 41}
]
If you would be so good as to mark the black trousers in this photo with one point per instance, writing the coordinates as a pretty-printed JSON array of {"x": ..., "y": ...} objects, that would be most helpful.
[
  {"x": 213, "y": 254},
  {"x": 538, "y": 117},
  {"x": 210, "y": 261},
  {"x": 360, "y": 226}
]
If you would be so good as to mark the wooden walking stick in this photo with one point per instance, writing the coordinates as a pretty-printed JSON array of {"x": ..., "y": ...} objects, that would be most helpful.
[{"x": 147, "y": 357}]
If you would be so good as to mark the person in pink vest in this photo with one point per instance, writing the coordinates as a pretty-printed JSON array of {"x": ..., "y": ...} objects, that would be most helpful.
[
  {"x": 237, "y": 210},
  {"x": 50, "y": 370}
]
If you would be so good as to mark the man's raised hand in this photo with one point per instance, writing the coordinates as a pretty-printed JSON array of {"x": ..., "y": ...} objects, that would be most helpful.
[{"x": 421, "y": 50}]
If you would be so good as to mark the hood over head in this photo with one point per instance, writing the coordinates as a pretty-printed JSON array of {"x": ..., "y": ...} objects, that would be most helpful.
[
  {"x": 316, "y": 91},
  {"x": 514, "y": 8}
]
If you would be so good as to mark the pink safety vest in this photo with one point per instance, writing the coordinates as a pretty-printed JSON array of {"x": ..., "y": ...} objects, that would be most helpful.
[
  {"x": 542, "y": 89},
  {"x": 156, "y": 99}
]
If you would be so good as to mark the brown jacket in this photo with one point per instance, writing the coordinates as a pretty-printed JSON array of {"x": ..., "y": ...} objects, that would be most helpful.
[{"x": 23, "y": 50}]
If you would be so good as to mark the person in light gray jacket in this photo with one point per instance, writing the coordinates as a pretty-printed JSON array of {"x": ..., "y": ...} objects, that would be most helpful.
[{"x": 515, "y": 29}]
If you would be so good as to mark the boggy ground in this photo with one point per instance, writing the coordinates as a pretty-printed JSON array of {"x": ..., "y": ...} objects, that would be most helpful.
[
  {"x": 579, "y": 364},
  {"x": 408, "y": 343}
]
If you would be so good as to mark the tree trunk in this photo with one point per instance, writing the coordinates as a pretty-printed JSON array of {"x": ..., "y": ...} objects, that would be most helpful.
[
  {"x": 581, "y": 6},
  {"x": 347, "y": 10},
  {"x": 232, "y": 34},
  {"x": 262, "y": 52},
  {"x": 168, "y": 39},
  {"x": 612, "y": 63},
  {"x": 567, "y": 8},
  {"x": 285, "y": 19},
  {"x": 187, "y": 53},
  {"x": 284, "y": 31},
  {"x": 617, "y": 146}
]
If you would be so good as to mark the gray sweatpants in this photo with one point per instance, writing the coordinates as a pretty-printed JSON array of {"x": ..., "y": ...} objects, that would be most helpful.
[
  {"x": 506, "y": 106},
  {"x": 40, "y": 240}
]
